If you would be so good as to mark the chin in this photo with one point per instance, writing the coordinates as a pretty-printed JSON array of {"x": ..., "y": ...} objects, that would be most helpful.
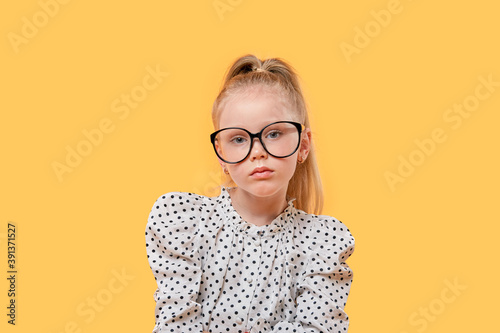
[{"x": 263, "y": 189}]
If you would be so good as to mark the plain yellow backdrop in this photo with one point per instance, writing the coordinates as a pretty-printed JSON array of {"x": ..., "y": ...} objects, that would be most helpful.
[{"x": 106, "y": 105}]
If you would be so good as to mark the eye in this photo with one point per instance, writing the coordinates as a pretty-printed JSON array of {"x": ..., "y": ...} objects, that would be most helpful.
[
  {"x": 238, "y": 140},
  {"x": 273, "y": 134}
]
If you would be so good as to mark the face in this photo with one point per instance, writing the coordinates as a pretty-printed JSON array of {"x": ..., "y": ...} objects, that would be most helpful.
[{"x": 252, "y": 110}]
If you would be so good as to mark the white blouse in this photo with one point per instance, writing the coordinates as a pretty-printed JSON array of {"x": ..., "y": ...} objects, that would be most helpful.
[{"x": 218, "y": 273}]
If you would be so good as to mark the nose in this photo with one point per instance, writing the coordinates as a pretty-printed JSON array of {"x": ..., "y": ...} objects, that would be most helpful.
[{"x": 258, "y": 150}]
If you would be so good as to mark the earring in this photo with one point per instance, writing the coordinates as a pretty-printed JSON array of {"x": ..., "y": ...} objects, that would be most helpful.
[{"x": 225, "y": 170}]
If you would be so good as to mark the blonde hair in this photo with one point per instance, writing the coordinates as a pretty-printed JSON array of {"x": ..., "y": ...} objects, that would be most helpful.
[{"x": 275, "y": 73}]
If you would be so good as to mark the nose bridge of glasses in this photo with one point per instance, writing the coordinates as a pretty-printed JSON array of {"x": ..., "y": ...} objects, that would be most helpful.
[{"x": 257, "y": 137}]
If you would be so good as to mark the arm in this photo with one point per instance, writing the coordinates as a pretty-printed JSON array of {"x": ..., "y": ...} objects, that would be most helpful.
[
  {"x": 324, "y": 287},
  {"x": 174, "y": 259}
]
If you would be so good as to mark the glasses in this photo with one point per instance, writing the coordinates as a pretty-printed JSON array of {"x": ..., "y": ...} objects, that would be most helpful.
[{"x": 279, "y": 139}]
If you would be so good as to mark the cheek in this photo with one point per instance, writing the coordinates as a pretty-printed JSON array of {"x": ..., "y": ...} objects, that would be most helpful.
[
  {"x": 236, "y": 170},
  {"x": 287, "y": 166}
]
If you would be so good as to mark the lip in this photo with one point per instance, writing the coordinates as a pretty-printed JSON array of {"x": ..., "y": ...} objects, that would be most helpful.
[
  {"x": 261, "y": 172},
  {"x": 260, "y": 169}
]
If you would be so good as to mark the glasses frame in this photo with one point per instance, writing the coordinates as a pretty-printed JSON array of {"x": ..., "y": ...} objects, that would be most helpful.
[{"x": 258, "y": 135}]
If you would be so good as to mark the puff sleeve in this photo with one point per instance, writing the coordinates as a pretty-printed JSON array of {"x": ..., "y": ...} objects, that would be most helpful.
[
  {"x": 326, "y": 280},
  {"x": 171, "y": 235}
]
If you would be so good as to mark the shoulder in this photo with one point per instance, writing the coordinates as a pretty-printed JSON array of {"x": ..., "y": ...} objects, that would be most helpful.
[
  {"x": 182, "y": 210},
  {"x": 323, "y": 234},
  {"x": 182, "y": 199},
  {"x": 181, "y": 203}
]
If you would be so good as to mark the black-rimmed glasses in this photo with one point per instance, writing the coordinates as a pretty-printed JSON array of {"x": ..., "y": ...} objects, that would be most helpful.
[{"x": 280, "y": 139}]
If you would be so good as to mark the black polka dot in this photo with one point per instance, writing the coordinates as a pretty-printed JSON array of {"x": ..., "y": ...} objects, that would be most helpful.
[{"x": 216, "y": 272}]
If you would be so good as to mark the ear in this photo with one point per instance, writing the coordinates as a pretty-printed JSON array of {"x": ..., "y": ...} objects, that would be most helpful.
[
  {"x": 305, "y": 144},
  {"x": 221, "y": 162}
]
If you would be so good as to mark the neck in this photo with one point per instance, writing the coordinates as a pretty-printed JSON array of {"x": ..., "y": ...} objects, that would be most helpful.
[{"x": 258, "y": 210}]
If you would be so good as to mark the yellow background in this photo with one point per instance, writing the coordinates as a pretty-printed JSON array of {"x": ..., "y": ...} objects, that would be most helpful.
[{"x": 75, "y": 234}]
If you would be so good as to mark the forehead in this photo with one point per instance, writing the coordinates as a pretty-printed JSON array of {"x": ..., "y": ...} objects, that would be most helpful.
[{"x": 255, "y": 107}]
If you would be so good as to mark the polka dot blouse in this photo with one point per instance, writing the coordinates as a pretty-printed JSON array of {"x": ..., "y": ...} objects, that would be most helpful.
[{"x": 218, "y": 273}]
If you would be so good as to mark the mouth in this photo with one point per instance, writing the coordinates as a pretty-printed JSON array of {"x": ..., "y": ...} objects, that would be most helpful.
[{"x": 261, "y": 172}]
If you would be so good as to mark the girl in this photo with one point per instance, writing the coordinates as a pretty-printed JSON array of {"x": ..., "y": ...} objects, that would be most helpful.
[{"x": 252, "y": 259}]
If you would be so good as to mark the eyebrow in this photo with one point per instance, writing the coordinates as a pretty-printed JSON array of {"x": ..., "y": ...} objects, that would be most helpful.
[{"x": 261, "y": 127}]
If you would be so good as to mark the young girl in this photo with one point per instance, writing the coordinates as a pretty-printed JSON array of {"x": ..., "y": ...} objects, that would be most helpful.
[{"x": 252, "y": 259}]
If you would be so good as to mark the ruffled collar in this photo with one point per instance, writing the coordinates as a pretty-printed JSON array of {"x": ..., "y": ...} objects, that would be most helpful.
[{"x": 280, "y": 223}]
